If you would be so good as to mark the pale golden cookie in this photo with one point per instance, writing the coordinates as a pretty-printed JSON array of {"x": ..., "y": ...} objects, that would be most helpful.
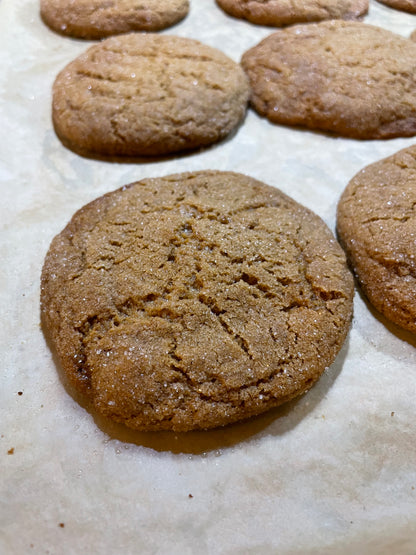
[
  {"x": 96, "y": 19},
  {"x": 377, "y": 227},
  {"x": 194, "y": 300},
  {"x": 277, "y": 13},
  {"x": 350, "y": 78},
  {"x": 146, "y": 94}
]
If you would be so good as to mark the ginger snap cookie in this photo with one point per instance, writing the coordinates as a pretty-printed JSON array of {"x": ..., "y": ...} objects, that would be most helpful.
[
  {"x": 147, "y": 94},
  {"x": 96, "y": 19},
  {"x": 349, "y": 78},
  {"x": 402, "y": 5},
  {"x": 277, "y": 13},
  {"x": 377, "y": 227},
  {"x": 194, "y": 300}
]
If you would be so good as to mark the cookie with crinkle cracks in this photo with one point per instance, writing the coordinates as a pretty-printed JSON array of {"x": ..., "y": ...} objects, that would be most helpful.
[
  {"x": 148, "y": 95},
  {"x": 377, "y": 227},
  {"x": 277, "y": 13},
  {"x": 97, "y": 19},
  {"x": 194, "y": 300},
  {"x": 349, "y": 78}
]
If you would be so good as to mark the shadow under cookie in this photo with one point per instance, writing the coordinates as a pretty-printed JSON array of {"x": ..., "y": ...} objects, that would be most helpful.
[{"x": 274, "y": 422}]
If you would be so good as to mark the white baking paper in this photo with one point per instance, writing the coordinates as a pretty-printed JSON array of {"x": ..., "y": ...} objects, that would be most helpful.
[{"x": 331, "y": 473}]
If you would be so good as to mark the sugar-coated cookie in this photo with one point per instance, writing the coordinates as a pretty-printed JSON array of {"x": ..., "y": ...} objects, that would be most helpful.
[
  {"x": 96, "y": 19},
  {"x": 195, "y": 300},
  {"x": 148, "y": 94},
  {"x": 377, "y": 227},
  {"x": 350, "y": 78},
  {"x": 277, "y": 13}
]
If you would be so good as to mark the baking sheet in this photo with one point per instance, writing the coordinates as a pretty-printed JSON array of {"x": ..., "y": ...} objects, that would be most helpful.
[{"x": 331, "y": 473}]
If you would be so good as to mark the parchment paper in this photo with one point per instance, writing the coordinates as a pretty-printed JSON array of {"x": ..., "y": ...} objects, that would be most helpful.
[{"x": 331, "y": 473}]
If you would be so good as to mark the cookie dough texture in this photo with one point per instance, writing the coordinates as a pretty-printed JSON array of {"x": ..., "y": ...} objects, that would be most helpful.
[
  {"x": 147, "y": 94},
  {"x": 353, "y": 79},
  {"x": 194, "y": 300},
  {"x": 96, "y": 19},
  {"x": 402, "y": 5},
  {"x": 377, "y": 227},
  {"x": 286, "y": 12}
]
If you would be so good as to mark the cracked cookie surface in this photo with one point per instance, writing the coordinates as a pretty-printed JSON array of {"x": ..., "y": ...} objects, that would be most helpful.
[
  {"x": 349, "y": 78},
  {"x": 96, "y": 19},
  {"x": 287, "y": 12},
  {"x": 377, "y": 227},
  {"x": 195, "y": 300},
  {"x": 147, "y": 95}
]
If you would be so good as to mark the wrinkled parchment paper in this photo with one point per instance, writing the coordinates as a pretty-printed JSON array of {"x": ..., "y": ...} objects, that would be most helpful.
[{"x": 331, "y": 473}]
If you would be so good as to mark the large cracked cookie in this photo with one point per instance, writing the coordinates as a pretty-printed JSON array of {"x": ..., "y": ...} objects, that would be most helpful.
[
  {"x": 194, "y": 300},
  {"x": 353, "y": 79},
  {"x": 96, "y": 19},
  {"x": 377, "y": 227},
  {"x": 146, "y": 94},
  {"x": 286, "y": 12}
]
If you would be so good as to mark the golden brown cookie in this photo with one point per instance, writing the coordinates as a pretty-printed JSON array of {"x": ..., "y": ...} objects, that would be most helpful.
[
  {"x": 402, "y": 5},
  {"x": 377, "y": 227},
  {"x": 96, "y": 19},
  {"x": 146, "y": 94},
  {"x": 194, "y": 300},
  {"x": 350, "y": 78},
  {"x": 277, "y": 13}
]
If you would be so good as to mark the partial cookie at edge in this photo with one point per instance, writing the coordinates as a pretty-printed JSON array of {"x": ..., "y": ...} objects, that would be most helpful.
[
  {"x": 402, "y": 5},
  {"x": 377, "y": 227}
]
